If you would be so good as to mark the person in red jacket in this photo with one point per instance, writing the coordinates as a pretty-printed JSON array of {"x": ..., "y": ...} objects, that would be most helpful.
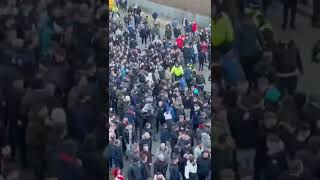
[
  {"x": 117, "y": 174},
  {"x": 204, "y": 47},
  {"x": 194, "y": 27},
  {"x": 180, "y": 41}
]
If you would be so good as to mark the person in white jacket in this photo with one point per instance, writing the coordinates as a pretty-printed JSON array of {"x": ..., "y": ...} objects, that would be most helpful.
[{"x": 190, "y": 170}]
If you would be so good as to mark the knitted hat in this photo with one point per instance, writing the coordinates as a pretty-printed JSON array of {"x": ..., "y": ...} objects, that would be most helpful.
[
  {"x": 161, "y": 157},
  {"x": 273, "y": 95},
  {"x": 196, "y": 91}
]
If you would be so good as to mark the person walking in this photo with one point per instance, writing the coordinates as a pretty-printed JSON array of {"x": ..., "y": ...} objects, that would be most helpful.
[
  {"x": 289, "y": 6},
  {"x": 174, "y": 169},
  {"x": 144, "y": 35},
  {"x": 204, "y": 165},
  {"x": 202, "y": 60},
  {"x": 316, "y": 14},
  {"x": 191, "y": 169}
]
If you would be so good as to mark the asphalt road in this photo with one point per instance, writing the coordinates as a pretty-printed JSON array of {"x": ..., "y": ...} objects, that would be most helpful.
[{"x": 305, "y": 36}]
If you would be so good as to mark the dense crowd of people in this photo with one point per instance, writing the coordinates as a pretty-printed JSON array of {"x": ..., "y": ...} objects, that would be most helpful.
[
  {"x": 52, "y": 84},
  {"x": 264, "y": 129},
  {"x": 159, "y": 110}
]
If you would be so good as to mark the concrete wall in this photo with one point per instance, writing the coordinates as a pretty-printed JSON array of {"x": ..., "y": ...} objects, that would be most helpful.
[{"x": 170, "y": 12}]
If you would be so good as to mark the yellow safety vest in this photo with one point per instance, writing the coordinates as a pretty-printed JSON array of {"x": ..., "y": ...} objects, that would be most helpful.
[
  {"x": 112, "y": 5},
  {"x": 177, "y": 71}
]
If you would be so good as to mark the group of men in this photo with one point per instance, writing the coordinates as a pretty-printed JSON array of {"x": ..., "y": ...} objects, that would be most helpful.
[
  {"x": 264, "y": 128},
  {"x": 52, "y": 84},
  {"x": 159, "y": 106}
]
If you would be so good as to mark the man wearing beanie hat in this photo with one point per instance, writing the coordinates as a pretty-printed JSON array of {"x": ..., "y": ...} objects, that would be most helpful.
[{"x": 160, "y": 166}]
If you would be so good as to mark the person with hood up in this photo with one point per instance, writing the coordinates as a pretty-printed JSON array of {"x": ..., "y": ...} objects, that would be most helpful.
[
  {"x": 161, "y": 166},
  {"x": 191, "y": 169},
  {"x": 204, "y": 165}
]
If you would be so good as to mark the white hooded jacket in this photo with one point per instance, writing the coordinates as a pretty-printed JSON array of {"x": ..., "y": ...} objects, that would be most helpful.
[{"x": 190, "y": 168}]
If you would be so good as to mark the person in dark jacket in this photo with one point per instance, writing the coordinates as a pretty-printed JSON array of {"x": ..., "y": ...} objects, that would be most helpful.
[
  {"x": 289, "y": 6},
  {"x": 143, "y": 35},
  {"x": 168, "y": 32},
  {"x": 275, "y": 160},
  {"x": 182, "y": 164},
  {"x": 187, "y": 54},
  {"x": 161, "y": 166},
  {"x": 249, "y": 46},
  {"x": 146, "y": 152},
  {"x": 288, "y": 65},
  {"x": 174, "y": 169},
  {"x": 204, "y": 165},
  {"x": 94, "y": 165},
  {"x": 145, "y": 168},
  {"x": 155, "y": 16},
  {"x": 134, "y": 172},
  {"x": 244, "y": 128},
  {"x": 82, "y": 117},
  {"x": 202, "y": 60},
  {"x": 164, "y": 134},
  {"x": 117, "y": 154},
  {"x": 159, "y": 115},
  {"x": 316, "y": 14},
  {"x": 68, "y": 165}
]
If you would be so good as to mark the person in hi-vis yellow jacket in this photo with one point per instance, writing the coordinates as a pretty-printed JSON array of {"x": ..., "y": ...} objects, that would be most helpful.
[
  {"x": 222, "y": 32},
  {"x": 113, "y": 7}
]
